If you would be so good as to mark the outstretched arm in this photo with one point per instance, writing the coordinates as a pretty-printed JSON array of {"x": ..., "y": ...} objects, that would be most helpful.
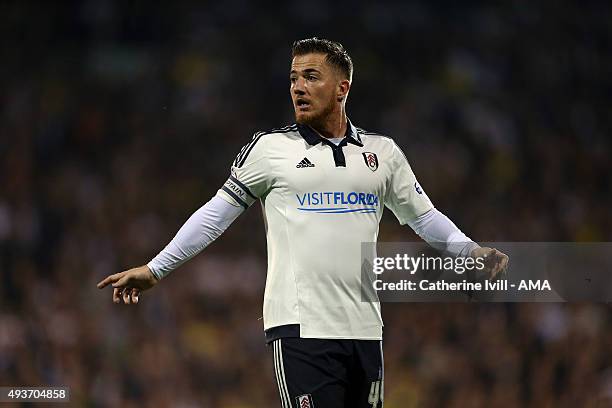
[
  {"x": 441, "y": 233},
  {"x": 202, "y": 228},
  {"x": 408, "y": 201},
  {"x": 250, "y": 178}
]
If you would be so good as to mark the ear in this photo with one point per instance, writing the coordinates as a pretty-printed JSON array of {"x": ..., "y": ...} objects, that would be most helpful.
[{"x": 343, "y": 89}]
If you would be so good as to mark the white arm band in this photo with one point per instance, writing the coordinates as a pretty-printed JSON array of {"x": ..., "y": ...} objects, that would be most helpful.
[
  {"x": 440, "y": 232},
  {"x": 203, "y": 227}
]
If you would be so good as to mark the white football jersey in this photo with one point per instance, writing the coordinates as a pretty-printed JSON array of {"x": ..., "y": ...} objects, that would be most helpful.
[{"x": 320, "y": 202}]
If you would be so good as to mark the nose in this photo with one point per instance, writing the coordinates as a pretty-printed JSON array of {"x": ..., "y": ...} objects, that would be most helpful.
[{"x": 298, "y": 87}]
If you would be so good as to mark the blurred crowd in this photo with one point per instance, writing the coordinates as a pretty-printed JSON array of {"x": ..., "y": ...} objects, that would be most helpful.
[{"x": 119, "y": 119}]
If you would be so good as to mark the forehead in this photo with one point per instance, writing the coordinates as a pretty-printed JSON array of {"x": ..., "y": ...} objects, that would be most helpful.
[{"x": 309, "y": 61}]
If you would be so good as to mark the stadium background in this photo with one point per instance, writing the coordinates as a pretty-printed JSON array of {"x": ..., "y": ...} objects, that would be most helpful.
[{"x": 119, "y": 119}]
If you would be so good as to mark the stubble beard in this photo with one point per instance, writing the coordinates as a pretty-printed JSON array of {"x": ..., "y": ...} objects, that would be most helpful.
[{"x": 317, "y": 121}]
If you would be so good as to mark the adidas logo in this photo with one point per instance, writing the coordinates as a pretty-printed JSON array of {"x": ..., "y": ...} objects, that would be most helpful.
[{"x": 304, "y": 163}]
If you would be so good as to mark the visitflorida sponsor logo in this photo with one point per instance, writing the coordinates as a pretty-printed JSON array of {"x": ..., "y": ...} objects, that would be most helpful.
[{"x": 337, "y": 202}]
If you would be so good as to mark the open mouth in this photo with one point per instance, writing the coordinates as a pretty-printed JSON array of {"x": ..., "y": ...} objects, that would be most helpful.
[{"x": 302, "y": 104}]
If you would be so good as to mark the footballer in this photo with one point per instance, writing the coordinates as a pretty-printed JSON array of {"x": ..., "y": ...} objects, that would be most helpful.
[{"x": 323, "y": 184}]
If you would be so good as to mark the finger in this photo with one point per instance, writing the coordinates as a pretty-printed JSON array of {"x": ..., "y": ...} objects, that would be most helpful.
[
  {"x": 504, "y": 263},
  {"x": 135, "y": 293},
  {"x": 108, "y": 279},
  {"x": 122, "y": 282},
  {"x": 126, "y": 295},
  {"x": 497, "y": 256},
  {"x": 496, "y": 264},
  {"x": 489, "y": 258},
  {"x": 501, "y": 262},
  {"x": 116, "y": 295},
  {"x": 492, "y": 255},
  {"x": 495, "y": 273}
]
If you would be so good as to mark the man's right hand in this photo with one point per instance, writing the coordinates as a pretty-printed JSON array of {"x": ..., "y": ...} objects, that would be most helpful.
[{"x": 127, "y": 285}]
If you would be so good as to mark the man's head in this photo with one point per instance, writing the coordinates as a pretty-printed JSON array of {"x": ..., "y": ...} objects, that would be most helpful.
[{"x": 321, "y": 74}]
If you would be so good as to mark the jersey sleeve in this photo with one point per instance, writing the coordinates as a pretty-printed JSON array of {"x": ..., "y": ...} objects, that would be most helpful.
[
  {"x": 405, "y": 197},
  {"x": 250, "y": 176}
]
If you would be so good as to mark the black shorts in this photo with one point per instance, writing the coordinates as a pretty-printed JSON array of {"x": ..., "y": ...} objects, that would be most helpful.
[{"x": 325, "y": 373}]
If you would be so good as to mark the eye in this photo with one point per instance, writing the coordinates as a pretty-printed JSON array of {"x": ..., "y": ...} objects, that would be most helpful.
[
  {"x": 292, "y": 79},
  {"x": 311, "y": 78}
]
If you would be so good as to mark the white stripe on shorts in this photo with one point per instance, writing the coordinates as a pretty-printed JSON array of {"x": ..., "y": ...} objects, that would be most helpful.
[
  {"x": 279, "y": 368},
  {"x": 382, "y": 377}
]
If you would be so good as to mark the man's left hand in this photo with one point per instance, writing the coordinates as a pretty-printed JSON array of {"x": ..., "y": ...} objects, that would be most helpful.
[{"x": 496, "y": 262}]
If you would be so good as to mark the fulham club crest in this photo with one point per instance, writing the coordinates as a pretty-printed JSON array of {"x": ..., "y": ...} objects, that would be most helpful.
[
  {"x": 304, "y": 401},
  {"x": 370, "y": 160}
]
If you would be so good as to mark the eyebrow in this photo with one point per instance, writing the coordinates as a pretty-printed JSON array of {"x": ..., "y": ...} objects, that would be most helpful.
[{"x": 306, "y": 71}]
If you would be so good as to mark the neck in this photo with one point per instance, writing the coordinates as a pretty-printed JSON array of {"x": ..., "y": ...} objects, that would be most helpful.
[{"x": 334, "y": 125}]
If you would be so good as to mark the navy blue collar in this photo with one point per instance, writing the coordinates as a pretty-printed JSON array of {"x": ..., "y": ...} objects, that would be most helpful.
[{"x": 313, "y": 138}]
